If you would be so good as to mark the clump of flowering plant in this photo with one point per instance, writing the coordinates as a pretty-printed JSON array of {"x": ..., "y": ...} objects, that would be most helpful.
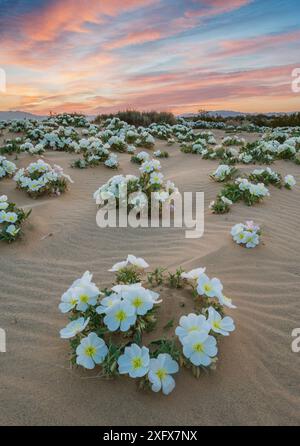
[
  {"x": 7, "y": 168},
  {"x": 41, "y": 178},
  {"x": 233, "y": 141},
  {"x": 223, "y": 173},
  {"x": 11, "y": 220},
  {"x": 106, "y": 327},
  {"x": 138, "y": 193},
  {"x": 247, "y": 234},
  {"x": 241, "y": 189},
  {"x": 140, "y": 157},
  {"x": 289, "y": 181},
  {"x": 161, "y": 154},
  {"x": 266, "y": 176}
]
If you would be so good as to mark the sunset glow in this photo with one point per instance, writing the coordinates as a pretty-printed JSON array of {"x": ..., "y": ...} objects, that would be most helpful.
[{"x": 97, "y": 56}]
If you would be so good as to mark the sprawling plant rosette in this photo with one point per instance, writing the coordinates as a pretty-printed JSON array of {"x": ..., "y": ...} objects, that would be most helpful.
[
  {"x": 200, "y": 332},
  {"x": 223, "y": 173},
  {"x": 41, "y": 178},
  {"x": 161, "y": 154},
  {"x": 233, "y": 141},
  {"x": 266, "y": 176},
  {"x": 11, "y": 220},
  {"x": 246, "y": 234},
  {"x": 106, "y": 326},
  {"x": 139, "y": 193},
  {"x": 7, "y": 168},
  {"x": 241, "y": 189},
  {"x": 140, "y": 157},
  {"x": 289, "y": 182}
]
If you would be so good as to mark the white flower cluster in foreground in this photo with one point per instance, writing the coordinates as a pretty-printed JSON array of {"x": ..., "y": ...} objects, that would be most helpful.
[
  {"x": 127, "y": 310},
  {"x": 247, "y": 234},
  {"x": 41, "y": 178},
  {"x": 136, "y": 362},
  {"x": 7, "y": 168}
]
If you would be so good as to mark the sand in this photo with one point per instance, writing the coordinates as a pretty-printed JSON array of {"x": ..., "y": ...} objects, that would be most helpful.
[{"x": 257, "y": 377}]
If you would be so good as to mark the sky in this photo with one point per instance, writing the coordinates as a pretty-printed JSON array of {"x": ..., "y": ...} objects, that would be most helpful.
[{"x": 99, "y": 56}]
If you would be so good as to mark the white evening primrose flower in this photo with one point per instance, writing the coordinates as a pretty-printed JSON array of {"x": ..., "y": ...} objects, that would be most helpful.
[
  {"x": 86, "y": 295},
  {"x": 237, "y": 229},
  {"x": 225, "y": 301},
  {"x": 68, "y": 301},
  {"x": 199, "y": 348},
  {"x": 11, "y": 217},
  {"x": 12, "y": 230},
  {"x": 118, "y": 266},
  {"x": 219, "y": 325},
  {"x": 74, "y": 327},
  {"x": 226, "y": 200},
  {"x": 86, "y": 280},
  {"x": 161, "y": 369},
  {"x": 289, "y": 181},
  {"x": 138, "y": 262},
  {"x": 252, "y": 240},
  {"x": 134, "y": 361},
  {"x": 107, "y": 302},
  {"x": 241, "y": 237},
  {"x": 156, "y": 178},
  {"x": 3, "y": 198},
  {"x": 162, "y": 196},
  {"x": 193, "y": 275},
  {"x": 120, "y": 316},
  {"x": 209, "y": 287},
  {"x": 121, "y": 289},
  {"x": 140, "y": 299},
  {"x": 3, "y": 205},
  {"x": 191, "y": 323},
  {"x": 91, "y": 350},
  {"x": 138, "y": 200}
]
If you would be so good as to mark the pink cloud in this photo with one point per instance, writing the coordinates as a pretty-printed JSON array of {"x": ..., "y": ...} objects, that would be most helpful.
[
  {"x": 71, "y": 15},
  {"x": 135, "y": 37},
  {"x": 215, "y": 7},
  {"x": 255, "y": 44}
]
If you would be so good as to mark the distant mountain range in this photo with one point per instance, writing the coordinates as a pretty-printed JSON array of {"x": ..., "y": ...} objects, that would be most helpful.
[
  {"x": 231, "y": 113},
  {"x": 10, "y": 115}
]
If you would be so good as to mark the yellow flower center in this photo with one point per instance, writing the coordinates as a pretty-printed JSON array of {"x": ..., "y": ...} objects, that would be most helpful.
[
  {"x": 73, "y": 301},
  {"x": 137, "y": 302},
  {"x": 137, "y": 362},
  {"x": 120, "y": 315},
  {"x": 198, "y": 347},
  {"x": 90, "y": 350},
  {"x": 207, "y": 287},
  {"x": 161, "y": 373},
  {"x": 84, "y": 298},
  {"x": 216, "y": 324},
  {"x": 193, "y": 328}
]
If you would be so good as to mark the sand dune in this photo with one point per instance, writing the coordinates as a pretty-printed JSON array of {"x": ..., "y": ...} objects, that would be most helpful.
[{"x": 257, "y": 378}]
